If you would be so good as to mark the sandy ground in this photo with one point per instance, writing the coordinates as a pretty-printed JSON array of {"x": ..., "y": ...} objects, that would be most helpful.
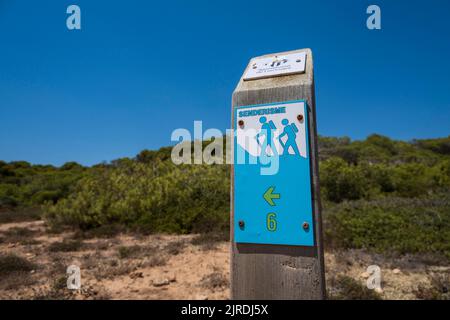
[{"x": 165, "y": 267}]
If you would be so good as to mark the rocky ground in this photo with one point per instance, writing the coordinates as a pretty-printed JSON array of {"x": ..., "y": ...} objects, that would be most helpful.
[{"x": 33, "y": 265}]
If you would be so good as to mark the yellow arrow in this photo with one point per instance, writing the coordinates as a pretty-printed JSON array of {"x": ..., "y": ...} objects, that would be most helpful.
[{"x": 269, "y": 196}]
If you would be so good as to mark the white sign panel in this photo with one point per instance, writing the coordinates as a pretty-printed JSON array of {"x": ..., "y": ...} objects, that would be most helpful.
[
  {"x": 285, "y": 124},
  {"x": 276, "y": 66}
]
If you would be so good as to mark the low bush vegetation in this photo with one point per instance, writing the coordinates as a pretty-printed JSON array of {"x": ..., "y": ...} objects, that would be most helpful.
[
  {"x": 17, "y": 232},
  {"x": 25, "y": 185},
  {"x": 8, "y": 215},
  {"x": 378, "y": 193},
  {"x": 214, "y": 280},
  {"x": 161, "y": 197},
  {"x": 23, "y": 236},
  {"x": 439, "y": 288},
  {"x": 347, "y": 288},
  {"x": 11, "y": 263},
  {"x": 209, "y": 240},
  {"x": 127, "y": 252},
  {"x": 67, "y": 245},
  {"x": 174, "y": 248},
  {"x": 391, "y": 225}
]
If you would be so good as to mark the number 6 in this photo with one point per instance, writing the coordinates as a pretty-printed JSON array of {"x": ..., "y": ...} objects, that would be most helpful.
[{"x": 271, "y": 222}]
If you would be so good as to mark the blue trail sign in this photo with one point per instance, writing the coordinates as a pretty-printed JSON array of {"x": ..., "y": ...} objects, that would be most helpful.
[{"x": 272, "y": 175}]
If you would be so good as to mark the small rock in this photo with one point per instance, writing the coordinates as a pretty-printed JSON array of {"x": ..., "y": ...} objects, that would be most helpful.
[
  {"x": 172, "y": 278},
  {"x": 160, "y": 282},
  {"x": 201, "y": 297},
  {"x": 378, "y": 290},
  {"x": 32, "y": 271},
  {"x": 396, "y": 271},
  {"x": 365, "y": 275},
  {"x": 136, "y": 275}
]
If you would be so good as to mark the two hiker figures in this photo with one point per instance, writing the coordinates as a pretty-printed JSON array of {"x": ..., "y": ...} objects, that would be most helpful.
[{"x": 267, "y": 132}]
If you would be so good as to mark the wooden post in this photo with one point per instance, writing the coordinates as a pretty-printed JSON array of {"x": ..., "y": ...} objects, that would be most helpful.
[{"x": 267, "y": 271}]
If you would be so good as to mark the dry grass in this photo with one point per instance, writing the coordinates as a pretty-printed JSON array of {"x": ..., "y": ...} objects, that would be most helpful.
[
  {"x": 15, "y": 271},
  {"x": 66, "y": 245},
  {"x": 19, "y": 235},
  {"x": 214, "y": 281},
  {"x": 8, "y": 215},
  {"x": 112, "y": 269},
  {"x": 347, "y": 288},
  {"x": 156, "y": 260},
  {"x": 11, "y": 263},
  {"x": 174, "y": 248},
  {"x": 439, "y": 288},
  {"x": 130, "y": 252},
  {"x": 125, "y": 267},
  {"x": 209, "y": 241}
]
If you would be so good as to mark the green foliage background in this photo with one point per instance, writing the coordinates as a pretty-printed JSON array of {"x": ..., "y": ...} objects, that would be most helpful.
[{"x": 378, "y": 193}]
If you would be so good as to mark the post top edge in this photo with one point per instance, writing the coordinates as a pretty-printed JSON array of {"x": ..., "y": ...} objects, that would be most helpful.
[{"x": 307, "y": 50}]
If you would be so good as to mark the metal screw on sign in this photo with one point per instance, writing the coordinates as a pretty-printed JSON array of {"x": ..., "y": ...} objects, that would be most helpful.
[{"x": 305, "y": 226}]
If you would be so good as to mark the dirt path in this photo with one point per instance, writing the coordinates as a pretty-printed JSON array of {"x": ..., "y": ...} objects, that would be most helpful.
[
  {"x": 124, "y": 267},
  {"x": 163, "y": 267}
]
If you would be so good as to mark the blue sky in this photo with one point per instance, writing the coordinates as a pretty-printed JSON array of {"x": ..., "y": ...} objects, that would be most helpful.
[{"x": 138, "y": 70}]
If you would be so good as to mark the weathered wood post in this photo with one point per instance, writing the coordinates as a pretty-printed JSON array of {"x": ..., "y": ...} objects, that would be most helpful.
[{"x": 276, "y": 231}]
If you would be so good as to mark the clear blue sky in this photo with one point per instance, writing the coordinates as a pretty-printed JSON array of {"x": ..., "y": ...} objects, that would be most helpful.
[{"x": 139, "y": 69}]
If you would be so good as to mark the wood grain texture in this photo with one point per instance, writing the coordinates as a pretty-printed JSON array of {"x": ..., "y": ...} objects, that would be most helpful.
[{"x": 275, "y": 271}]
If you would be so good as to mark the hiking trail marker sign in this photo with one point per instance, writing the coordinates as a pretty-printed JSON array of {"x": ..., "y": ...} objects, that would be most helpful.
[
  {"x": 272, "y": 206},
  {"x": 276, "y": 231}
]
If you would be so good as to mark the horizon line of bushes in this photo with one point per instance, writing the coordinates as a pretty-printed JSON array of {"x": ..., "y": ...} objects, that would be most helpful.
[{"x": 151, "y": 194}]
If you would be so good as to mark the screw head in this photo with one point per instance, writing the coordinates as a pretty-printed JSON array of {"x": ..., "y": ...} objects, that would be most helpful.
[
  {"x": 241, "y": 223},
  {"x": 305, "y": 226},
  {"x": 241, "y": 123},
  {"x": 300, "y": 117}
]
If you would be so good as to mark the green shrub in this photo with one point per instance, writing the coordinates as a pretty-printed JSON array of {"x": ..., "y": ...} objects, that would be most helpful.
[
  {"x": 440, "y": 145},
  {"x": 390, "y": 225},
  {"x": 159, "y": 198},
  {"x": 9, "y": 195},
  {"x": 45, "y": 196},
  {"x": 341, "y": 181}
]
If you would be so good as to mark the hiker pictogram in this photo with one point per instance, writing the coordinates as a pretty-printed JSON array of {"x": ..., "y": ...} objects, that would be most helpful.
[
  {"x": 290, "y": 130},
  {"x": 267, "y": 132}
]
